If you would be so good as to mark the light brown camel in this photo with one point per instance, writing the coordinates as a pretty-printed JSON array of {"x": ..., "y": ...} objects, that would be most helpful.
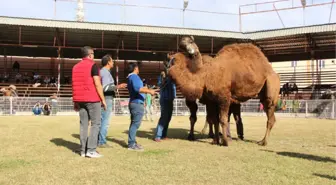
[{"x": 238, "y": 73}]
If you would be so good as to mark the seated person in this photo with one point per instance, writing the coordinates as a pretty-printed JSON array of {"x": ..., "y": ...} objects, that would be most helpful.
[
  {"x": 46, "y": 109},
  {"x": 37, "y": 110}
]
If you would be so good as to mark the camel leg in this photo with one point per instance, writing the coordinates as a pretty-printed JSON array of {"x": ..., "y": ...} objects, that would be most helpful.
[
  {"x": 216, "y": 124},
  {"x": 223, "y": 118},
  {"x": 192, "y": 105},
  {"x": 210, "y": 109},
  {"x": 269, "y": 98},
  {"x": 239, "y": 121}
]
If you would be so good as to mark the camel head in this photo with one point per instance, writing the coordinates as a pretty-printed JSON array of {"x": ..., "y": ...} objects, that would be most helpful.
[{"x": 187, "y": 44}]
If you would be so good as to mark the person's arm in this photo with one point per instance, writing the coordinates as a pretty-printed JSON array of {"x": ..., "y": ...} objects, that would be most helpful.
[
  {"x": 99, "y": 88},
  {"x": 139, "y": 88},
  {"x": 97, "y": 83},
  {"x": 111, "y": 87}
]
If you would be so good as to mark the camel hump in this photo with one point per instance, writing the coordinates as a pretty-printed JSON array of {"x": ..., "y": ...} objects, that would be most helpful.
[{"x": 245, "y": 48}]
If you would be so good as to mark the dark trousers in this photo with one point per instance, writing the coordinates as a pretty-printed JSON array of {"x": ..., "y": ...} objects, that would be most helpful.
[
  {"x": 137, "y": 111},
  {"x": 166, "y": 114},
  {"x": 235, "y": 110}
]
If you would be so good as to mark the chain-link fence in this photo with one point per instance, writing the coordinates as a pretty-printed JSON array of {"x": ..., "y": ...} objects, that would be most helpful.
[{"x": 64, "y": 106}]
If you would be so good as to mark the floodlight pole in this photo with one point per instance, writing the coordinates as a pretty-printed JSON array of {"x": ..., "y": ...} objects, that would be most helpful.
[
  {"x": 55, "y": 9},
  {"x": 331, "y": 9},
  {"x": 183, "y": 18},
  {"x": 185, "y": 5}
]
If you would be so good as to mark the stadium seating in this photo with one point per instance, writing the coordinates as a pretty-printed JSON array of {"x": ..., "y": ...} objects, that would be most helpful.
[{"x": 149, "y": 71}]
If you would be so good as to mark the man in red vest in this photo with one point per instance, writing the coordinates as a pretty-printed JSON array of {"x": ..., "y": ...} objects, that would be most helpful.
[{"x": 88, "y": 97}]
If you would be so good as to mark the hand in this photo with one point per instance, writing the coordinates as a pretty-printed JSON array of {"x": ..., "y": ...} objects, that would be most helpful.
[
  {"x": 152, "y": 92},
  {"x": 122, "y": 86},
  {"x": 104, "y": 105}
]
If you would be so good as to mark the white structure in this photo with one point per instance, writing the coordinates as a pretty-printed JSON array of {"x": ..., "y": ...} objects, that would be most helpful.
[{"x": 80, "y": 11}]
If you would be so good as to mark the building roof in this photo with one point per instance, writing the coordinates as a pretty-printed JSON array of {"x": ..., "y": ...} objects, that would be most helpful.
[
  {"x": 166, "y": 30},
  {"x": 16, "y": 34},
  {"x": 116, "y": 27},
  {"x": 263, "y": 34}
]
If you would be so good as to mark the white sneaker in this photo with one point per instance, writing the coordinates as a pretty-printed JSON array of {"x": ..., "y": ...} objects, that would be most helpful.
[
  {"x": 93, "y": 155},
  {"x": 82, "y": 154}
]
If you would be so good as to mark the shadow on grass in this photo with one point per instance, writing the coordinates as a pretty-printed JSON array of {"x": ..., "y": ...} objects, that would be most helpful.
[
  {"x": 68, "y": 144},
  {"x": 325, "y": 176},
  {"x": 75, "y": 136},
  {"x": 122, "y": 143},
  {"x": 303, "y": 156},
  {"x": 173, "y": 133}
]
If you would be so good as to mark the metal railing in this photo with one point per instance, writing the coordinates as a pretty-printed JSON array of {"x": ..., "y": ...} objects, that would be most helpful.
[{"x": 64, "y": 106}]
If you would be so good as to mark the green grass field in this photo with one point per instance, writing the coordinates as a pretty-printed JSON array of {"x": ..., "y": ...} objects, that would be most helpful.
[{"x": 39, "y": 150}]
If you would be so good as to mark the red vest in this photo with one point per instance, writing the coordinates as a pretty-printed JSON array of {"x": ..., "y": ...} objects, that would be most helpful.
[{"x": 83, "y": 87}]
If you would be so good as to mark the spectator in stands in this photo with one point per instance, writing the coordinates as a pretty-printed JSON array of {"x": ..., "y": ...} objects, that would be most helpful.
[
  {"x": 37, "y": 110},
  {"x": 109, "y": 89},
  {"x": 54, "y": 104},
  {"x": 36, "y": 78},
  {"x": 167, "y": 96},
  {"x": 46, "y": 109},
  {"x": 136, "y": 104},
  {"x": 46, "y": 80},
  {"x": 3, "y": 90},
  {"x": 53, "y": 81},
  {"x": 25, "y": 78},
  {"x": 67, "y": 80},
  {"x": 12, "y": 89},
  {"x": 148, "y": 106},
  {"x": 16, "y": 66},
  {"x": 285, "y": 89},
  {"x": 295, "y": 88},
  {"x": 18, "y": 78},
  {"x": 88, "y": 98},
  {"x": 6, "y": 78}
]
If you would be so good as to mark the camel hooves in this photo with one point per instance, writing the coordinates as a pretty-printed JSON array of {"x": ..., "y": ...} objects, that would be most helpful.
[
  {"x": 191, "y": 138},
  {"x": 214, "y": 142},
  {"x": 226, "y": 144},
  {"x": 262, "y": 143}
]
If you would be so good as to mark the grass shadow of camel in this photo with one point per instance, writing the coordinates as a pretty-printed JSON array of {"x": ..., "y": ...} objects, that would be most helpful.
[
  {"x": 173, "y": 133},
  {"x": 325, "y": 176},
  {"x": 303, "y": 156}
]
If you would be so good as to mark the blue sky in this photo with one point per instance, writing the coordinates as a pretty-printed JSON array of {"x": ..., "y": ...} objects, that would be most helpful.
[{"x": 164, "y": 17}]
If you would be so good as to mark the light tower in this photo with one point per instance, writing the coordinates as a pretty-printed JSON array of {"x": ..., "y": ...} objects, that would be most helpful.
[
  {"x": 80, "y": 11},
  {"x": 303, "y": 3}
]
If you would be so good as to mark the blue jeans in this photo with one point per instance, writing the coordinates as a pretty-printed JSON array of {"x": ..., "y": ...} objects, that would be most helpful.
[
  {"x": 166, "y": 114},
  {"x": 105, "y": 121},
  {"x": 37, "y": 111},
  {"x": 137, "y": 112}
]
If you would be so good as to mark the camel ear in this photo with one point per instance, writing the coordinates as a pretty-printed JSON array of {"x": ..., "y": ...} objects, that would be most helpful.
[{"x": 192, "y": 38}]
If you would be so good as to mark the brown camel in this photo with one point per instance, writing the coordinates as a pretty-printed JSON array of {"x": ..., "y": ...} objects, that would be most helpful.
[{"x": 238, "y": 73}]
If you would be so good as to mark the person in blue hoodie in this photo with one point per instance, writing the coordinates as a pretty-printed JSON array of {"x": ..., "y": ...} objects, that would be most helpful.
[
  {"x": 137, "y": 93},
  {"x": 167, "y": 96}
]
